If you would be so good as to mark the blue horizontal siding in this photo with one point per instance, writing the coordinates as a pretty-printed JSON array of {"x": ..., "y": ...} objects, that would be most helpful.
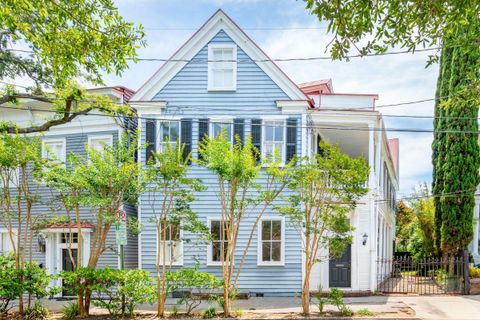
[{"x": 188, "y": 97}]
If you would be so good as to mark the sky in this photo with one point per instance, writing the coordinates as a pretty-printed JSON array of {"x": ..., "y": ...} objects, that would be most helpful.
[{"x": 285, "y": 29}]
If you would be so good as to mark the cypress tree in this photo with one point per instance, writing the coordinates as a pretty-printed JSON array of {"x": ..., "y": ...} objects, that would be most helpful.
[{"x": 456, "y": 154}]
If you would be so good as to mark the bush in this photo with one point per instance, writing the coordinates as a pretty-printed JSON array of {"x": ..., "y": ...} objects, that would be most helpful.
[
  {"x": 70, "y": 311},
  {"x": 336, "y": 298},
  {"x": 195, "y": 286},
  {"x": 365, "y": 312},
  {"x": 209, "y": 313},
  {"x": 322, "y": 301},
  {"x": 474, "y": 272},
  {"x": 37, "y": 311},
  {"x": 120, "y": 291},
  {"x": 14, "y": 282}
]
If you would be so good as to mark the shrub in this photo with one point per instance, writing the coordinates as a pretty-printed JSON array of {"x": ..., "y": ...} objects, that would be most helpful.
[
  {"x": 238, "y": 313},
  {"x": 70, "y": 311},
  {"x": 474, "y": 272},
  {"x": 174, "y": 311},
  {"x": 365, "y": 312},
  {"x": 209, "y": 313},
  {"x": 322, "y": 301},
  {"x": 336, "y": 298},
  {"x": 37, "y": 311},
  {"x": 120, "y": 291},
  {"x": 14, "y": 282},
  {"x": 195, "y": 286}
]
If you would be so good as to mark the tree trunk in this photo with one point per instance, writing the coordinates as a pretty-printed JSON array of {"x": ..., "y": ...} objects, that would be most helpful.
[{"x": 226, "y": 298}]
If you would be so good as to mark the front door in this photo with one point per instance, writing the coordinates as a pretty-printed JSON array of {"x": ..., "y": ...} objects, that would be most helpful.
[
  {"x": 68, "y": 266},
  {"x": 340, "y": 270}
]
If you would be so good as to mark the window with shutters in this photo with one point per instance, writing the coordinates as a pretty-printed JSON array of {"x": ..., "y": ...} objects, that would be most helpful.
[
  {"x": 271, "y": 241},
  {"x": 171, "y": 246},
  {"x": 169, "y": 132},
  {"x": 219, "y": 242},
  {"x": 217, "y": 125},
  {"x": 99, "y": 142},
  {"x": 222, "y": 67},
  {"x": 274, "y": 140},
  {"x": 54, "y": 149}
]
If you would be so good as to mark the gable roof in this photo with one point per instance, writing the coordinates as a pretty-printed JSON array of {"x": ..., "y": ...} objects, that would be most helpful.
[
  {"x": 319, "y": 86},
  {"x": 217, "y": 22}
]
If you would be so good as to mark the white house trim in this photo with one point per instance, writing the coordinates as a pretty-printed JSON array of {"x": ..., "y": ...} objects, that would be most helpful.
[
  {"x": 280, "y": 263},
  {"x": 213, "y": 46},
  {"x": 63, "y": 156},
  {"x": 218, "y": 22},
  {"x": 284, "y": 149},
  {"x": 108, "y": 138}
]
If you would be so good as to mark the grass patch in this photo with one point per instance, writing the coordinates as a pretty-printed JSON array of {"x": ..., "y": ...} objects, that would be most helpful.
[{"x": 365, "y": 312}]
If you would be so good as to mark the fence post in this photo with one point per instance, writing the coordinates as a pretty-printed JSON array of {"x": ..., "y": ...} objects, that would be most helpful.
[{"x": 466, "y": 274}]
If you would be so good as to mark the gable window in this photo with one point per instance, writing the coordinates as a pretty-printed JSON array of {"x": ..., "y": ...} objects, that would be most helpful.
[
  {"x": 274, "y": 140},
  {"x": 219, "y": 242},
  {"x": 222, "y": 67},
  {"x": 54, "y": 149},
  {"x": 98, "y": 143},
  {"x": 169, "y": 133},
  {"x": 171, "y": 248},
  {"x": 271, "y": 240}
]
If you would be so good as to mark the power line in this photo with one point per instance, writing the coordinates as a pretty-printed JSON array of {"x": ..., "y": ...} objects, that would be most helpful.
[
  {"x": 339, "y": 128},
  {"x": 247, "y": 28},
  {"x": 202, "y": 60},
  {"x": 447, "y": 194}
]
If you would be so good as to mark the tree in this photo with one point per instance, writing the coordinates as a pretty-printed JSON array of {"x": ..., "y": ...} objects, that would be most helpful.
[
  {"x": 240, "y": 196},
  {"x": 20, "y": 160},
  {"x": 404, "y": 222},
  {"x": 170, "y": 187},
  {"x": 325, "y": 191},
  {"x": 103, "y": 180},
  {"x": 52, "y": 43}
]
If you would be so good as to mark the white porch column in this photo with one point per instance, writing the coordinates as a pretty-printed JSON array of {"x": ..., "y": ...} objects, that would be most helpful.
[{"x": 372, "y": 204}]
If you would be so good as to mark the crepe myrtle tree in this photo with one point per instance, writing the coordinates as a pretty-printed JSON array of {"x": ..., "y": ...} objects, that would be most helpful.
[
  {"x": 20, "y": 160},
  {"x": 103, "y": 180},
  {"x": 170, "y": 193},
  {"x": 40, "y": 41},
  {"x": 241, "y": 197},
  {"x": 325, "y": 189}
]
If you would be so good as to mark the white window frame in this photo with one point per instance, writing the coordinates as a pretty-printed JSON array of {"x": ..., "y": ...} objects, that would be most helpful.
[
  {"x": 160, "y": 143},
  {"x": 213, "y": 46},
  {"x": 210, "y": 262},
  {"x": 108, "y": 138},
  {"x": 264, "y": 128},
  {"x": 179, "y": 260},
  {"x": 5, "y": 231},
  {"x": 224, "y": 121},
  {"x": 260, "y": 261},
  {"x": 63, "y": 157}
]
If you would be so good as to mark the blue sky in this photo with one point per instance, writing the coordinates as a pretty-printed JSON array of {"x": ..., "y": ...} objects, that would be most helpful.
[{"x": 397, "y": 78}]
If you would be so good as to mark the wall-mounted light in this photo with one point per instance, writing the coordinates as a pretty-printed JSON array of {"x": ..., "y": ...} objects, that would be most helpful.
[
  {"x": 365, "y": 238},
  {"x": 41, "y": 242}
]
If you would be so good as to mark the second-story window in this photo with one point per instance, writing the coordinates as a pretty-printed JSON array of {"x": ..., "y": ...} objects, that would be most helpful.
[
  {"x": 222, "y": 67},
  {"x": 274, "y": 139},
  {"x": 169, "y": 133},
  {"x": 54, "y": 149}
]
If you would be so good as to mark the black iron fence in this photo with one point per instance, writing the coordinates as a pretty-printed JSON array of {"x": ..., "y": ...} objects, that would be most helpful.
[{"x": 423, "y": 276}]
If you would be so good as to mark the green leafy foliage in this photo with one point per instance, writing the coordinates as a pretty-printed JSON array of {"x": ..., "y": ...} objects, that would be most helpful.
[
  {"x": 15, "y": 281},
  {"x": 209, "y": 313},
  {"x": 70, "y": 311},
  {"x": 194, "y": 285},
  {"x": 37, "y": 312},
  {"x": 336, "y": 298},
  {"x": 365, "y": 313},
  {"x": 54, "y": 32}
]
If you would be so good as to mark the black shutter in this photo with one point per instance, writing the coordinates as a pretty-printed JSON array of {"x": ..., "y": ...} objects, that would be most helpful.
[
  {"x": 291, "y": 139},
  {"x": 202, "y": 132},
  {"x": 186, "y": 137},
  {"x": 257, "y": 136},
  {"x": 151, "y": 135},
  {"x": 239, "y": 130}
]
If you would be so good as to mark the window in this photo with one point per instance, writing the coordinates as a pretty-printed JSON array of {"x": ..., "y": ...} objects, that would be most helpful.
[
  {"x": 69, "y": 237},
  {"x": 169, "y": 131},
  {"x": 274, "y": 139},
  {"x": 222, "y": 67},
  {"x": 219, "y": 240},
  {"x": 271, "y": 242},
  {"x": 54, "y": 149},
  {"x": 6, "y": 242},
  {"x": 172, "y": 245},
  {"x": 222, "y": 124},
  {"x": 99, "y": 142}
]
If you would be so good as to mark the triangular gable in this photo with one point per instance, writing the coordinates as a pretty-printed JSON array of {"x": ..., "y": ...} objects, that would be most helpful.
[{"x": 219, "y": 21}]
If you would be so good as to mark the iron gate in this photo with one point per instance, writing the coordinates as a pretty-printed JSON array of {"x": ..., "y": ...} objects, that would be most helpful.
[{"x": 423, "y": 276}]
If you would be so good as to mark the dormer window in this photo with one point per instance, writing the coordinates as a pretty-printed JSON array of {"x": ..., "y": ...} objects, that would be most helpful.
[{"x": 222, "y": 67}]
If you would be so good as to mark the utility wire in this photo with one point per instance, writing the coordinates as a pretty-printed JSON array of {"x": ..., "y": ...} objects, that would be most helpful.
[{"x": 339, "y": 128}]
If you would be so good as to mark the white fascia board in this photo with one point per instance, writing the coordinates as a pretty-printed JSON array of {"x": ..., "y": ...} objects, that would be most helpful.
[
  {"x": 293, "y": 106},
  {"x": 325, "y": 117},
  {"x": 219, "y": 21}
]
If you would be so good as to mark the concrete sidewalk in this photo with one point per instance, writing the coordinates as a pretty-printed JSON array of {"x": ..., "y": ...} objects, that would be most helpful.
[{"x": 444, "y": 307}]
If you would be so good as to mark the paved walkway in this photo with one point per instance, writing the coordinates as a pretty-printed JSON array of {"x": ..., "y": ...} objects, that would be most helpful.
[{"x": 386, "y": 307}]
